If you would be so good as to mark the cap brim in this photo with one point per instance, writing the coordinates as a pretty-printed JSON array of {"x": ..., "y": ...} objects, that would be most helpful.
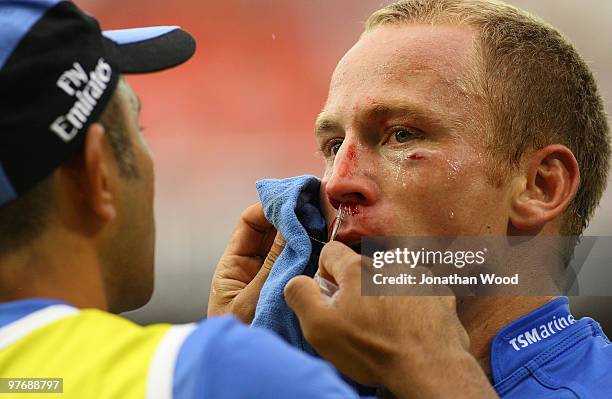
[{"x": 152, "y": 49}]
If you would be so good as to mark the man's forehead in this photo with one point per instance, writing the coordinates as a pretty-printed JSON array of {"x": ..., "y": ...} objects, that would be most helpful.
[
  {"x": 423, "y": 68},
  {"x": 400, "y": 51}
]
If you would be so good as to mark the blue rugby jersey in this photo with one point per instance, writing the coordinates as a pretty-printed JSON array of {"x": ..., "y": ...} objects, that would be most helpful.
[{"x": 548, "y": 354}]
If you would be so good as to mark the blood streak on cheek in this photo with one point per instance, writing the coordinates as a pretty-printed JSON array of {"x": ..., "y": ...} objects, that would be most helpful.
[
  {"x": 416, "y": 157},
  {"x": 419, "y": 155}
]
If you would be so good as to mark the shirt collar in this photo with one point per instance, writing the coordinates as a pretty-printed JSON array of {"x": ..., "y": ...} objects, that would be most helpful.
[
  {"x": 15, "y": 310},
  {"x": 524, "y": 338}
]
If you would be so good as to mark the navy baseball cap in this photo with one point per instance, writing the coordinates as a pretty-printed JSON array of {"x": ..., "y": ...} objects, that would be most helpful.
[{"x": 58, "y": 71}]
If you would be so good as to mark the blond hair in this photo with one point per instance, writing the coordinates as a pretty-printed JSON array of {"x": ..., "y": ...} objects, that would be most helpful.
[{"x": 536, "y": 88}]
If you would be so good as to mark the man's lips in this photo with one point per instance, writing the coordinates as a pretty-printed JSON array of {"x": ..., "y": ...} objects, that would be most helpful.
[
  {"x": 350, "y": 214},
  {"x": 351, "y": 228}
]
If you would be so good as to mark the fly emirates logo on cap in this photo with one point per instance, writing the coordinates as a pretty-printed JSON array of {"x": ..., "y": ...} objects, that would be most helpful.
[{"x": 87, "y": 89}]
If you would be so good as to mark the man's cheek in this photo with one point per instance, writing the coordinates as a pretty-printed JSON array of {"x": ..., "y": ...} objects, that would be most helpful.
[
  {"x": 417, "y": 171},
  {"x": 328, "y": 171},
  {"x": 431, "y": 190}
]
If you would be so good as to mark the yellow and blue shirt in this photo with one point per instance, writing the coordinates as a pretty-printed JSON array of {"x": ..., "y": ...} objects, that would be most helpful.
[
  {"x": 544, "y": 355},
  {"x": 100, "y": 355}
]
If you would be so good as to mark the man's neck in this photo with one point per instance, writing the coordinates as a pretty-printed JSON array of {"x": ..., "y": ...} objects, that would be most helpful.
[
  {"x": 64, "y": 271},
  {"x": 483, "y": 317}
]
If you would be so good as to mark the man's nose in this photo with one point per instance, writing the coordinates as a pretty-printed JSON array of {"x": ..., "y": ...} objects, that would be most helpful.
[{"x": 351, "y": 179}]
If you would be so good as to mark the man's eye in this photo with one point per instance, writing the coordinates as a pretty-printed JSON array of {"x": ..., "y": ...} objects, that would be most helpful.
[
  {"x": 404, "y": 135},
  {"x": 332, "y": 147},
  {"x": 335, "y": 147}
]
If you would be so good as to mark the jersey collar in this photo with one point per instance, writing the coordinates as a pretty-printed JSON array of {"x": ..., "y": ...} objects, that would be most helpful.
[
  {"x": 15, "y": 310},
  {"x": 524, "y": 338}
]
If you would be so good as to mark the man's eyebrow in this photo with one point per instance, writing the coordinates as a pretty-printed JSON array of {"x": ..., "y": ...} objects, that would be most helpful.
[
  {"x": 325, "y": 123},
  {"x": 375, "y": 112},
  {"x": 413, "y": 111}
]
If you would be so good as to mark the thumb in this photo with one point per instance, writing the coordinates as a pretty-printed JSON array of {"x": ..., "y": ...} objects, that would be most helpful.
[
  {"x": 266, "y": 267},
  {"x": 315, "y": 314},
  {"x": 304, "y": 297},
  {"x": 277, "y": 248}
]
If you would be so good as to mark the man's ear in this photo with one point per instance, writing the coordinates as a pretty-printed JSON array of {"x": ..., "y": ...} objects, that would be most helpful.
[
  {"x": 552, "y": 180},
  {"x": 101, "y": 173},
  {"x": 92, "y": 178}
]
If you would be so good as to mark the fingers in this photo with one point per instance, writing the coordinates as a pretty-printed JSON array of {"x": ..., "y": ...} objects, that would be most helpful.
[
  {"x": 339, "y": 262},
  {"x": 318, "y": 319},
  {"x": 241, "y": 284},
  {"x": 275, "y": 250},
  {"x": 303, "y": 296},
  {"x": 254, "y": 234},
  {"x": 266, "y": 267}
]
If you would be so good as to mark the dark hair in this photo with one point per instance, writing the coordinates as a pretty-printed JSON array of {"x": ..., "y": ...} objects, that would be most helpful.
[
  {"x": 115, "y": 120},
  {"x": 25, "y": 218}
]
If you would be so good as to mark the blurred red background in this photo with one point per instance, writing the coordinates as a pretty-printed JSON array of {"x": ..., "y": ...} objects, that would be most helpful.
[{"x": 243, "y": 109}]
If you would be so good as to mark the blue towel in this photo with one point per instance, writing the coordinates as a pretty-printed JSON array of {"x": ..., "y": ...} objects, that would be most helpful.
[{"x": 292, "y": 206}]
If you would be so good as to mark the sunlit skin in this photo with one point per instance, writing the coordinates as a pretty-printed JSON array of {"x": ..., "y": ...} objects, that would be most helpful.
[
  {"x": 402, "y": 141},
  {"x": 411, "y": 155}
]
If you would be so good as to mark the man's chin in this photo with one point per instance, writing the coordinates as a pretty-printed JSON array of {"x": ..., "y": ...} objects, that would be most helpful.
[
  {"x": 128, "y": 307},
  {"x": 135, "y": 298}
]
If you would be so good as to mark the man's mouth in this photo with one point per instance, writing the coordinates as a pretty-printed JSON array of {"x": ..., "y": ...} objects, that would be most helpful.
[{"x": 344, "y": 228}]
